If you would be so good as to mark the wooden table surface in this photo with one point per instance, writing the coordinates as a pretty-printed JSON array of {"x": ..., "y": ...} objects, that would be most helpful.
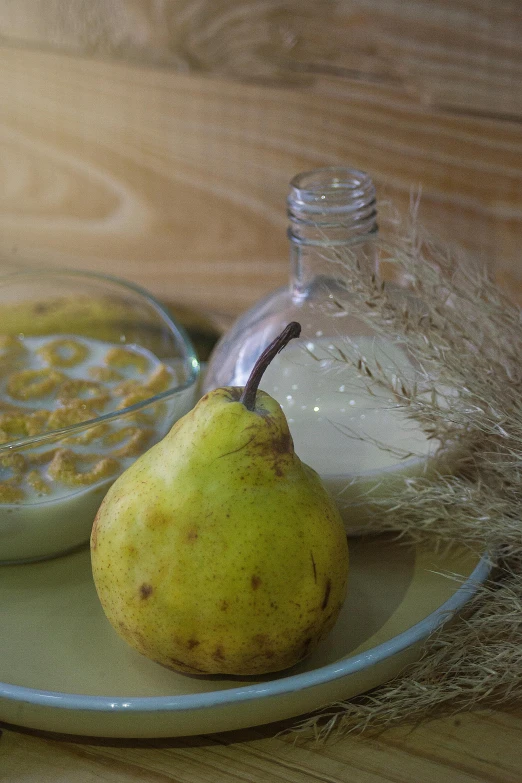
[
  {"x": 156, "y": 140},
  {"x": 463, "y": 749}
]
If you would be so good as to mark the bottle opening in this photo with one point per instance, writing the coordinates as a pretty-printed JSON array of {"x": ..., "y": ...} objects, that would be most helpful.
[{"x": 335, "y": 197}]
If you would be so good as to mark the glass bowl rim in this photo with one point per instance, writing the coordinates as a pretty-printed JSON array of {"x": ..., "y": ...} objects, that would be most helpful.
[{"x": 190, "y": 358}]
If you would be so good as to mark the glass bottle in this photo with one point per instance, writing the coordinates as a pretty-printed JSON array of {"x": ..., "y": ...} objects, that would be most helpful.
[
  {"x": 329, "y": 210},
  {"x": 357, "y": 438}
]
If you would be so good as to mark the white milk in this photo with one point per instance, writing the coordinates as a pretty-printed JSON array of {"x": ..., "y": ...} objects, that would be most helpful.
[
  {"x": 42, "y": 526},
  {"x": 34, "y": 531},
  {"x": 357, "y": 437}
]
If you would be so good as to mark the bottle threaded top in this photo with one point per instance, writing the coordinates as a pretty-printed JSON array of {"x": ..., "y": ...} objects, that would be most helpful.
[{"x": 334, "y": 205}]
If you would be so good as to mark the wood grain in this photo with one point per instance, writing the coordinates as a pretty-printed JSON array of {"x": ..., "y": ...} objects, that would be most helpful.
[
  {"x": 467, "y": 749},
  {"x": 178, "y": 182},
  {"x": 465, "y": 55}
]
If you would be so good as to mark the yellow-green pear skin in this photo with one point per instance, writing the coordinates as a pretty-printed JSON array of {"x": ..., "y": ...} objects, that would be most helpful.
[{"x": 218, "y": 551}]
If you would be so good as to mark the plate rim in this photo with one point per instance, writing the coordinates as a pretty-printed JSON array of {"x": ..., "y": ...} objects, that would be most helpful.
[{"x": 279, "y": 687}]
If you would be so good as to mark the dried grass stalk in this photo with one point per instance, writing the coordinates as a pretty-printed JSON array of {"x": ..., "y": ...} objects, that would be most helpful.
[{"x": 464, "y": 334}]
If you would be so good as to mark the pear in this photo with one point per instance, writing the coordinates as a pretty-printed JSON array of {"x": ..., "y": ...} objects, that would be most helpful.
[{"x": 218, "y": 551}]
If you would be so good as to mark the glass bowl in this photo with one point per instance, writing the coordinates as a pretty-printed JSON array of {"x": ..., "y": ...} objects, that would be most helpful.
[{"x": 94, "y": 371}]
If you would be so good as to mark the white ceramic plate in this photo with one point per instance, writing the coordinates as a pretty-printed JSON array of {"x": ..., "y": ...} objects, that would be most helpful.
[{"x": 63, "y": 668}]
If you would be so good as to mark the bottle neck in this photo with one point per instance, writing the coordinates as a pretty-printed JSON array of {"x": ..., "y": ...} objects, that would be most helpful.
[{"x": 332, "y": 214}]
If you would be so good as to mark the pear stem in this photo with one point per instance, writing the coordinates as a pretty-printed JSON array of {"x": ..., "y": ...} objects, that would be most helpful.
[{"x": 248, "y": 397}]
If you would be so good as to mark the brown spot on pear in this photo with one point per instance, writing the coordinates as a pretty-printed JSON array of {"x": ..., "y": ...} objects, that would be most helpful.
[{"x": 145, "y": 591}]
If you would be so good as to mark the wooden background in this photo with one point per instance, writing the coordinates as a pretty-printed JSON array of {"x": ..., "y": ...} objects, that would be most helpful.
[{"x": 155, "y": 139}]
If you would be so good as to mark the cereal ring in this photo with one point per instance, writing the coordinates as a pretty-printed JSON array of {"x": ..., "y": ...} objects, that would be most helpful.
[
  {"x": 138, "y": 395},
  {"x": 160, "y": 379},
  {"x": 10, "y": 490},
  {"x": 135, "y": 439},
  {"x": 65, "y": 468},
  {"x": 89, "y": 434},
  {"x": 63, "y": 352},
  {"x": 10, "y": 346},
  {"x": 37, "y": 483},
  {"x": 105, "y": 374},
  {"x": 128, "y": 387},
  {"x": 73, "y": 413},
  {"x": 127, "y": 357},
  {"x": 14, "y": 423},
  {"x": 10, "y": 494},
  {"x": 81, "y": 390},
  {"x": 28, "y": 423},
  {"x": 145, "y": 415},
  {"x": 41, "y": 457},
  {"x": 16, "y": 463},
  {"x": 37, "y": 422},
  {"x": 28, "y": 384}
]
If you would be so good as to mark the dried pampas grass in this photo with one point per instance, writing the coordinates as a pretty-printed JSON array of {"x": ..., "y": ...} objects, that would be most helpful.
[{"x": 463, "y": 333}]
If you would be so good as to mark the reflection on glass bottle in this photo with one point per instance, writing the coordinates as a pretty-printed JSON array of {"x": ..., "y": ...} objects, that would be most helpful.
[{"x": 358, "y": 439}]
